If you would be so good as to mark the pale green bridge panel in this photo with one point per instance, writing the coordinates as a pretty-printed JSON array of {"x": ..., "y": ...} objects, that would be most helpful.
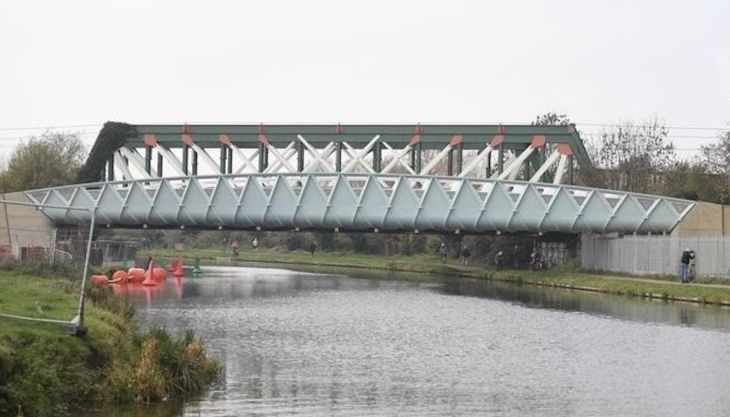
[{"x": 360, "y": 202}]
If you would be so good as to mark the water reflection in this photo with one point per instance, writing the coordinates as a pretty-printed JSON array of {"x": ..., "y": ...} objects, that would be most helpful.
[
  {"x": 318, "y": 344},
  {"x": 619, "y": 307}
]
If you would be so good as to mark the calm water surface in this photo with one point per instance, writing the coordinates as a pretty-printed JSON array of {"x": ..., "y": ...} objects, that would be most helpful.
[{"x": 312, "y": 344}]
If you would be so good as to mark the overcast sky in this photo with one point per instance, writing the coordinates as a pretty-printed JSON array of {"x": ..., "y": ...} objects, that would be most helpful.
[{"x": 76, "y": 64}]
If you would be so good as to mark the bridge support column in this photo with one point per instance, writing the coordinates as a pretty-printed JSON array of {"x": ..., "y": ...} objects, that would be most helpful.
[
  {"x": 419, "y": 157},
  {"x": 570, "y": 169},
  {"x": 185, "y": 159},
  {"x": 148, "y": 159},
  {"x": 230, "y": 160},
  {"x": 450, "y": 163},
  {"x": 377, "y": 153},
  {"x": 263, "y": 157},
  {"x": 500, "y": 159},
  {"x": 338, "y": 157},
  {"x": 223, "y": 158},
  {"x": 159, "y": 164},
  {"x": 110, "y": 169},
  {"x": 195, "y": 162},
  {"x": 300, "y": 156}
]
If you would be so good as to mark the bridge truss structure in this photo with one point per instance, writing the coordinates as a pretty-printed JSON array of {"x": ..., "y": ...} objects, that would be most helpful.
[
  {"x": 383, "y": 178},
  {"x": 512, "y": 152}
]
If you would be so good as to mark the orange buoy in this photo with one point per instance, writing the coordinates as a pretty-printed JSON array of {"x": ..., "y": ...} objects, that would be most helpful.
[
  {"x": 135, "y": 274},
  {"x": 119, "y": 276},
  {"x": 178, "y": 272},
  {"x": 148, "y": 278},
  {"x": 100, "y": 279},
  {"x": 159, "y": 273}
]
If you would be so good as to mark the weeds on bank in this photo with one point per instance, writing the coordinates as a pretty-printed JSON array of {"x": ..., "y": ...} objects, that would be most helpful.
[
  {"x": 167, "y": 367},
  {"x": 45, "y": 372}
]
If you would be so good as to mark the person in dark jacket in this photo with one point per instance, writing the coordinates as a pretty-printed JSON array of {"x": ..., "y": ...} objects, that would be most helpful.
[
  {"x": 687, "y": 257},
  {"x": 465, "y": 254}
]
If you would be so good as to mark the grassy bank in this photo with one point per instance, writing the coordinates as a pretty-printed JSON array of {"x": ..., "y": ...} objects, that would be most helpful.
[
  {"x": 44, "y": 371},
  {"x": 655, "y": 287}
]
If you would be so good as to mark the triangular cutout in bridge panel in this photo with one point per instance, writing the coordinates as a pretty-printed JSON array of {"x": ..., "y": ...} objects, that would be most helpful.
[
  {"x": 342, "y": 206},
  {"x": 312, "y": 205},
  {"x": 435, "y": 207},
  {"x": 403, "y": 208},
  {"x": 373, "y": 206}
]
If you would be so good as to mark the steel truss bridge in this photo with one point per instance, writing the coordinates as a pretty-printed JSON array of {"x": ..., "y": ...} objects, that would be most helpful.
[{"x": 423, "y": 178}]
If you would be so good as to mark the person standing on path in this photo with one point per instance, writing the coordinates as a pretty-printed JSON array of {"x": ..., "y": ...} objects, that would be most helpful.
[
  {"x": 687, "y": 257},
  {"x": 465, "y": 254},
  {"x": 443, "y": 251},
  {"x": 498, "y": 259}
]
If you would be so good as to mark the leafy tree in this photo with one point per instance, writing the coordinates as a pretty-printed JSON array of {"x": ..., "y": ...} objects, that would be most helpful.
[
  {"x": 631, "y": 156},
  {"x": 552, "y": 119},
  {"x": 716, "y": 157},
  {"x": 692, "y": 181},
  {"x": 49, "y": 160}
]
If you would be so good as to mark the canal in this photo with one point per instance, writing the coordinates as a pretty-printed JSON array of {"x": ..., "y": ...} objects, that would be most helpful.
[{"x": 320, "y": 344}]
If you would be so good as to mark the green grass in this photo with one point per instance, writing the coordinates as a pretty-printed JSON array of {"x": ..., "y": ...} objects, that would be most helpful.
[{"x": 45, "y": 372}]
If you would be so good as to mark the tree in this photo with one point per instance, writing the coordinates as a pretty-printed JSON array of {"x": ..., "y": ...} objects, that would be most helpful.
[
  {"x": 716, "y": 157},
  {"x": 50, "y": 160},
  {"x": 631, "y": 156},
  {"x": 692, "y": 181},
  {"x": 552, "y": 119}
]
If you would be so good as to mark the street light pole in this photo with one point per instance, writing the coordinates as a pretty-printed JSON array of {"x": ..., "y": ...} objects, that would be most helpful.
[{"x": 80, "y": 329}]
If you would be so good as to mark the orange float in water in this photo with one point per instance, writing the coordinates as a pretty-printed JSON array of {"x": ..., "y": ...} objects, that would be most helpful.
[
  {"x": 99, "y": 279},
  {"x": 177, "y": 272},
  {"x": 159, "y": 273},
  {"x": 148, "y": 278},
  {"x": 119, "y": 276},
  {"x": 135, "y": 274}
]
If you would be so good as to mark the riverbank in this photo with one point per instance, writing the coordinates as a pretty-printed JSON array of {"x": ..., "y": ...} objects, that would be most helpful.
[
  {"x": 44, "y": 371},
  {"x": 655, "y": 287}
]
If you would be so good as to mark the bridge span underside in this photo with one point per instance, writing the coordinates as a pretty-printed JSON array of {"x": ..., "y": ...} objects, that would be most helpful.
[{"x": 359, "y": 202}]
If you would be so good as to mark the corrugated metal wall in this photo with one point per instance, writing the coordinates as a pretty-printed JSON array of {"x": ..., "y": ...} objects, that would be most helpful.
[{"x": 655, "y": 254}]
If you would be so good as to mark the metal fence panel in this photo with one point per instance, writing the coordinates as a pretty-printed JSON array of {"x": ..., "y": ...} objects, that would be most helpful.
[{"x": 655, "y": 254}]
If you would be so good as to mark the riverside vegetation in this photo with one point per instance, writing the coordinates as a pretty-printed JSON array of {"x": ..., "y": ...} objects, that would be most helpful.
[{"x": 44, "y": 372}]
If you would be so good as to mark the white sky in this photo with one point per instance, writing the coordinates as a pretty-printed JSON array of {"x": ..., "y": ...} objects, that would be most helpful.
[{"x": 76, "y": 64}]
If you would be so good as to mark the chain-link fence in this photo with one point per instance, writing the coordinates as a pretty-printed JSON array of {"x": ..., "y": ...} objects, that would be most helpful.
[{"x": 655, "y": 254}]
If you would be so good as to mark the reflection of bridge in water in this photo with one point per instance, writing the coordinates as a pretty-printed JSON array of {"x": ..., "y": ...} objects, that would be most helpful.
[{"x": 463, "y": 179}]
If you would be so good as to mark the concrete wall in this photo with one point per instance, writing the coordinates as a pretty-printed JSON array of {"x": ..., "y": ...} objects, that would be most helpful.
[
  {"x": 705, "y": 219},
  {"x": 23, "y": 229}
]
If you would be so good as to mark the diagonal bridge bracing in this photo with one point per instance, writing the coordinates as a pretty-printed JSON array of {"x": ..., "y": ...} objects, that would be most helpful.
[
  {"x": 514, "y": 152},
  {"x": 360, "y": 202},
  {"x": 423, "y": 178}
]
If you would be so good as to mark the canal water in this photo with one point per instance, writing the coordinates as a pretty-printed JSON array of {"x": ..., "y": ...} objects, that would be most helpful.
[{"x": 316, "y": 344}]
